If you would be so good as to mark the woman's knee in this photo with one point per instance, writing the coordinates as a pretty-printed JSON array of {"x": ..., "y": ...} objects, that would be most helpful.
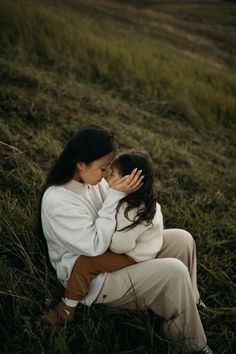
[
  {"x": 188, "y": 241},
  {"x": 180, "y": 268},
  {"x": 187, "y": 236},
  {"x": 176, "y": 268},
  {"x": 182, "y": 238}
]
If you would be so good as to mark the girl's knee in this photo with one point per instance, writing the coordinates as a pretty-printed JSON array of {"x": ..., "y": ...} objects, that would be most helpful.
[{"x": 82, "y": 263}]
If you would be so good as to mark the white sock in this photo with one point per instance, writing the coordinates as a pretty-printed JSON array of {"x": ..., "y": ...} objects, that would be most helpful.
[{"x": 70, "y": 302}]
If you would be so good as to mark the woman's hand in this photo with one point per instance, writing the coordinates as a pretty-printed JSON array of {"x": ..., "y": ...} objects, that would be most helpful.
[{"x": 126, "y": 184}]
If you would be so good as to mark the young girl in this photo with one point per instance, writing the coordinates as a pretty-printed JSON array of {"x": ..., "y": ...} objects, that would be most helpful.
[{"x": 138, "y": 235}]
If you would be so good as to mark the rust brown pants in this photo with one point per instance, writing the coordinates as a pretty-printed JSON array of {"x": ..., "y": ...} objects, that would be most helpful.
[{"x": 87, "y": 268}]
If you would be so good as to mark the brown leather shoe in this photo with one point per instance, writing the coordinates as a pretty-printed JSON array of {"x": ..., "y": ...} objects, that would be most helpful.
[{"x": 60, "y": 315}]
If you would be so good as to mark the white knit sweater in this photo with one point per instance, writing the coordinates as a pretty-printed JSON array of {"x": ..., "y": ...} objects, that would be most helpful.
[
  {"x": 78, "y": 220},
  {"x": 141, "y": 242}
]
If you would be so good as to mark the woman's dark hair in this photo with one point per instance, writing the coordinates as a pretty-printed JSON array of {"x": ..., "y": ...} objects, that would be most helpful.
[
  {"x": 90, "y": 143},
  {"x": 144, "y": 198}
]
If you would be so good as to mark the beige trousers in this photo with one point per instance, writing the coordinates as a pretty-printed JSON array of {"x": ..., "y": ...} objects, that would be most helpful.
[
  {"x": 167, "y": 285},
  {"x": 87, "y": 268}
]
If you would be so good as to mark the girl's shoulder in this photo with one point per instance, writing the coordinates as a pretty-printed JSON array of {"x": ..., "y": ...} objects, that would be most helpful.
[{"x": 132, "y": 213}]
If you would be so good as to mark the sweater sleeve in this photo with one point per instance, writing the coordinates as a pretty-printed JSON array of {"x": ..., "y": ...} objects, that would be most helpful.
[{"x": 77, "y": 232}]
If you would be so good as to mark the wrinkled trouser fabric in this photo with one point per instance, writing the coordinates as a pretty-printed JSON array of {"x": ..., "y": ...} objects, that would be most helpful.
[
  {"x": 167, "y": 285},
  {"x": 87, "y": 268}
]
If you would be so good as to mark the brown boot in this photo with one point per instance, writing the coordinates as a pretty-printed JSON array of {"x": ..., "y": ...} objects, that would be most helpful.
[{"x": 60, "y": 315}]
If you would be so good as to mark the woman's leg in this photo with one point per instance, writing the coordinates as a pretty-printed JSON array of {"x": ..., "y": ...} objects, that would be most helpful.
[
  {"x": 87, "y": 268},
  {"x": 178, "y": 243},
  {"x": 164, "y": 286}
]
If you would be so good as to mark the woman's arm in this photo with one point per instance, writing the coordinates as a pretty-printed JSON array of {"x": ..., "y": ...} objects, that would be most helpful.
[{"x": 70, "y": 228}]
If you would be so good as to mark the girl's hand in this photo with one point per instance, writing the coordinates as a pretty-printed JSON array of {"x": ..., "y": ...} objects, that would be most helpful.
[{"x": 127, "y": 184}]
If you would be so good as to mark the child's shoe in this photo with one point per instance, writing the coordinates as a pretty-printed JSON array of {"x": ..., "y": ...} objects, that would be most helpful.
[{"x": 60, "y": 315}]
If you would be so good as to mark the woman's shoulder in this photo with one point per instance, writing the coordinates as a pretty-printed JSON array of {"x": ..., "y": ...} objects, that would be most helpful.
[
  {"x": 53, "y": 192},
  {"x": 58, "y": 197}
]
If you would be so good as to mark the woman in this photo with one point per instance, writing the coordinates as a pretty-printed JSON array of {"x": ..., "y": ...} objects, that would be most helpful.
[{"x": 78, "y": 218}]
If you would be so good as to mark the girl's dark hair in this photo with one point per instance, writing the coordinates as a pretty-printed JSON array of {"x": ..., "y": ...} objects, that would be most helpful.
[
  {"x": 90, "y": 143},
  {"x": 144, "y": 198}
]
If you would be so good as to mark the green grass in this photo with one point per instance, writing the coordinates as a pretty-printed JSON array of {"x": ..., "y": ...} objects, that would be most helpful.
[
  {"x": 140, "y": 69},
  {"x": 64, "y": 64}
]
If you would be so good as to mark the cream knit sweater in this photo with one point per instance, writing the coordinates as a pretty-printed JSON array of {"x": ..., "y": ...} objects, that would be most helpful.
[{"x": 141, "y": 242}]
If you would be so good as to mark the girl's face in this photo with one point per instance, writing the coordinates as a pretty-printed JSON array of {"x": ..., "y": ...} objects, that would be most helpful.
[{"x": 95, "y": 171}]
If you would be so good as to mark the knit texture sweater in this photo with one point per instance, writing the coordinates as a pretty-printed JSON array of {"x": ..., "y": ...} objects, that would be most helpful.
[
  {"x": 79, "y": 220},
  {"x": 141, "y": 242}
]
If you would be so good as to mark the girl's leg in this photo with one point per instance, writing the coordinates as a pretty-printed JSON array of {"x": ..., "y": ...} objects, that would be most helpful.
[
  {"x": 87, "y": 268},
  {"x": 163, "y": 285},
  {"x": 178, "y": 243}
]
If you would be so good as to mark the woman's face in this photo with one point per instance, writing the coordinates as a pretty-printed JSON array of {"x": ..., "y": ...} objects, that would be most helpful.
[{"x": 95, "y": 171}]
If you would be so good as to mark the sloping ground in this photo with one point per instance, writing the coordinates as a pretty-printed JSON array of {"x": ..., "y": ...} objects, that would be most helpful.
[
  {"x": 141, "y": 69},
  {"x": 63, "y": 67},
  {"x": 204, "y": 30}
]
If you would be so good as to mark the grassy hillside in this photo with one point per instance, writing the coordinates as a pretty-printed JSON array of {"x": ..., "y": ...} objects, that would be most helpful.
[{"x": 162, "y": 75}]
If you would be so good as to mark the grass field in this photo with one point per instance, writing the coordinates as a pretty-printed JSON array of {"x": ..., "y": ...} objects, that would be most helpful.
[{"x": 162, "y": 76}]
